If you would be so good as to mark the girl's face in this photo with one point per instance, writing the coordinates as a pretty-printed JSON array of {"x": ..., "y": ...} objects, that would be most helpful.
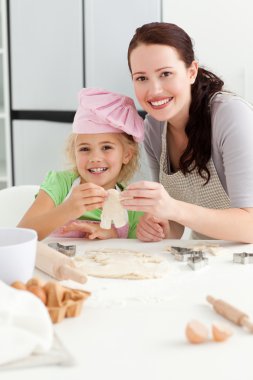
[
  {"x": 99, "y": 157},
  {"x": 162, "y": 82}
]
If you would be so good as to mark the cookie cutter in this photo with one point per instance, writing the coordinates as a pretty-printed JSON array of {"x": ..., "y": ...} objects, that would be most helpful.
[
  {"x": 181, "y": 253},
  {"x": 197, "y": 260},
  {"x": 68, "y": 250},
  {"x": 243, "y": 258}
]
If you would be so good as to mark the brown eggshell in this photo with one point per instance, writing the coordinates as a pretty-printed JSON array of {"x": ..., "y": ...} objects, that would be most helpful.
[
  {"x": 221, "y": 332},
  {"x": 196, "y": 332},
  {"x": 34, "y": 281},
  {"x": 39, "y": 292},
  {"x": 19, "y": 285}
]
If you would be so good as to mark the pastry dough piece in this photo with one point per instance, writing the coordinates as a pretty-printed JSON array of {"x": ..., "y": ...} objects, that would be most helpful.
[
  {"x": 113, "y": 212},
  {"x": 213, "y": 249},
  {"x": 121, "y": 263}
]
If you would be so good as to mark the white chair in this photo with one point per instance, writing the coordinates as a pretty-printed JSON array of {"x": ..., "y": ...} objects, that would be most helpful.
[{"x": 14, "y": 202}]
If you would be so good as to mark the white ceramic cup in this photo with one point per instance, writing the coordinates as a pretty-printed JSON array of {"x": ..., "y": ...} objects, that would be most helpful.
[{"x": 17, "y": 254}]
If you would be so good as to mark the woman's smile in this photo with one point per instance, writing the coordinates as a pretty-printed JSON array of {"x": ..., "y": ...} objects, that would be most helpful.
[{"x": 160, "y": 103}]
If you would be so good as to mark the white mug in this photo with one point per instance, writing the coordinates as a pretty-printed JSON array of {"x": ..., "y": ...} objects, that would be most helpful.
[{"x": 18, "y": 248}]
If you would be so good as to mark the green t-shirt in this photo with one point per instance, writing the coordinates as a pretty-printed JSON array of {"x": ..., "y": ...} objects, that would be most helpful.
[{"x": 58, "y": 184}]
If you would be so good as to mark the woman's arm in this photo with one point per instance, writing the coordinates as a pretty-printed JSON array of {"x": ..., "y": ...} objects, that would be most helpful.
[
  {"x": 45, "y": 217},
  {"x": 154, "y": 229},
  {"x": 227, "y": 224}
]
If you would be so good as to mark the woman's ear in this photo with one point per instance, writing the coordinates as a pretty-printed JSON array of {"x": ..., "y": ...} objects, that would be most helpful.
[{"x": 193, "y": 71}]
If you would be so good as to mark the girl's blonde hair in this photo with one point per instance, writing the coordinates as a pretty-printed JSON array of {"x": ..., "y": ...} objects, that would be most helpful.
[{"x": 127, "y": 170}]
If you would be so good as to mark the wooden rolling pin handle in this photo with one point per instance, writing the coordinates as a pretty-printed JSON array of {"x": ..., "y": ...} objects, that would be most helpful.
[
  {"x": 66, "y": 272},
  {"x": 245, "y": 322},
  {"x": 228, "y": 311}
]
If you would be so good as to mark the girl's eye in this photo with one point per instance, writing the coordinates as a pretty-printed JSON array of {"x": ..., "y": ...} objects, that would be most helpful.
[
  {"x": 83, "y": 149},
  {"x": 166, "y": 74},
  {"x": 106, "y": 147}
]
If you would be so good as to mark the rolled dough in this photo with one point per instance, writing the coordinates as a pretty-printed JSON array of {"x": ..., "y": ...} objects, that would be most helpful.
[{"x": 122, "y": 263}]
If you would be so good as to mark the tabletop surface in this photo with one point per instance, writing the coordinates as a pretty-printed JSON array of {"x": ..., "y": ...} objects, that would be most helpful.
[{"x": 134, "y": 329}]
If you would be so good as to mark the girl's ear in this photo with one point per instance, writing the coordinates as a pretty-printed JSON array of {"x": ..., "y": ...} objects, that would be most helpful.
[
  {"x": 128, "y": 154},
  {"x": 193, "y": 71}
]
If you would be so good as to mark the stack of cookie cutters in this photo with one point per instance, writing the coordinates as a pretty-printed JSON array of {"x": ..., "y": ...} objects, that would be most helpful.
[
  {"x": 196, "y": 259},
  {"x": 243, "y": 258},
  {"x": 68, "y": 250}
]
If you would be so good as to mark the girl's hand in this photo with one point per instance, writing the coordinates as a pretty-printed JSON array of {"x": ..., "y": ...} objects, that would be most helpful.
[
  {"x": 92, "y": 230},
  {"x": 149, "y": 197},
  {"x": 84, "y": 197},
  {"x": 152, "y": 229}
]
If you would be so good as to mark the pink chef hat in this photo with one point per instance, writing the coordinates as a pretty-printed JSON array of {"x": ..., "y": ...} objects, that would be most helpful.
[{"x": 102, "y": 111}]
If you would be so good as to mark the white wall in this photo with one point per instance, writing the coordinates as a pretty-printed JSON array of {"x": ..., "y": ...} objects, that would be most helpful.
[{"x": 222, "y": 32}]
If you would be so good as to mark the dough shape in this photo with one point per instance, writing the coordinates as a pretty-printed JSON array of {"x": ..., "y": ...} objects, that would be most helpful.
[
  {"x": 121, "y": 263},
  {"x": 113, "y": 212},
  {"x": 213, "y": 249}
]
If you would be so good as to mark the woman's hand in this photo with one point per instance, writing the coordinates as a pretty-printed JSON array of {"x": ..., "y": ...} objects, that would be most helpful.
[
  {"x": 91, "y": 230},
  {"x": 84, "y": 197},
  {"x": 149, "y": 197},
  {"x": 152, "y": 229}
]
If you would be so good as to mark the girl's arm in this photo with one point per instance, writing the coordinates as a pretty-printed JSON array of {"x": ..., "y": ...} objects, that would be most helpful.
[
  {"x": 227, "y": 224},
  {"x": 44, "y": 217},
  {"x": 92, "y": 230}
]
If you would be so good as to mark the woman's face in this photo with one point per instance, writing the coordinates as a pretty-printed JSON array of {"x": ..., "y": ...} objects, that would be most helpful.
[{"x": 162, "y": 82}]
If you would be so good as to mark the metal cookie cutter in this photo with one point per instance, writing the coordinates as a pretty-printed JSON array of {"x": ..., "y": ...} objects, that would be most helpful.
[
  {"x": 243, "y": 258},
  {"x": 197, "y": 260},
  {"x": 68, "y": 250},
  {"x": 181, "y": 253}
]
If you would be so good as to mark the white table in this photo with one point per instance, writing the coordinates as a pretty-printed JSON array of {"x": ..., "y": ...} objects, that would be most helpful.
[{"x": 135, "y": 329}]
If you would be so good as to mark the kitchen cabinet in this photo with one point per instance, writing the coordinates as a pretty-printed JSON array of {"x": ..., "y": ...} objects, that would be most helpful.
[
  {"x": 56, "y": 48},
  {"x": 5, "y": 132}
]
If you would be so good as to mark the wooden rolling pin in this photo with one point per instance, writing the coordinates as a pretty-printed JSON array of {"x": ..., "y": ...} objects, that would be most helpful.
[
  {"x": 231, "y": 313},
  {"x": 57, "y": 264}
]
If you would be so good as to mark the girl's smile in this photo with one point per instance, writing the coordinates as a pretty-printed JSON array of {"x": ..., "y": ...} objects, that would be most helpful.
[{"x": 97, "y": 170}]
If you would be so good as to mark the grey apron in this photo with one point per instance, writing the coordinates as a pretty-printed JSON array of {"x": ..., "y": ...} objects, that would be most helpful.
[{"x": 190, "y": 188}]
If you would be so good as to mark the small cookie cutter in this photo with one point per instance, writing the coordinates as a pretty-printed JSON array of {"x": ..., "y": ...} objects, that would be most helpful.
[
  {"x": 197, "y": 260},
  {"x": 181, "y": 253},
  {"x": 243, "y": 258},
  {"x": 68, "y": 250}
]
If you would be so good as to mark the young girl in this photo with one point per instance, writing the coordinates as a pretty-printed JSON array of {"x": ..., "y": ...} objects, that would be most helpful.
[
  {"x": 103, "y": 149},
  {"x": 198, "y": 139}
]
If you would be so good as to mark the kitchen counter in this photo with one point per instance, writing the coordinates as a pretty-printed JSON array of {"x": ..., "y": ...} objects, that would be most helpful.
[{"x": 134, "y": 329}]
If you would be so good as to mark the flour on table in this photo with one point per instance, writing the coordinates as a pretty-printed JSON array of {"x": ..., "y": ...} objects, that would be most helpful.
[{"x": 122, "y": 263}]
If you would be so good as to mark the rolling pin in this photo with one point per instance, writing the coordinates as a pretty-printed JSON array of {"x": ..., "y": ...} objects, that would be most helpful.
[
  {"x": 57, "y": 265},
  {"x": 231, "y": 313}
]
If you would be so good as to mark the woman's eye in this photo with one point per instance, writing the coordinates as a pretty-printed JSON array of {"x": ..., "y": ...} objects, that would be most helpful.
[
  {"x": 166, "y": 74},
  {"x": 140, "y": 79},
  {"x": 84, "y": 149}
]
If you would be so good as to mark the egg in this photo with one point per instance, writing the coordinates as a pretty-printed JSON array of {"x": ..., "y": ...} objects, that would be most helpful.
[
  {"x": 221, "y": 332},
  {"x": 196, "y": 332},
  {"x": 39, "y": 292},
  {"x": 19, "y": 285}
]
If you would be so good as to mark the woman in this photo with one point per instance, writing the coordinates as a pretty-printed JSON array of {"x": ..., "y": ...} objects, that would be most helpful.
[{"x": 198, "y": 139}]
